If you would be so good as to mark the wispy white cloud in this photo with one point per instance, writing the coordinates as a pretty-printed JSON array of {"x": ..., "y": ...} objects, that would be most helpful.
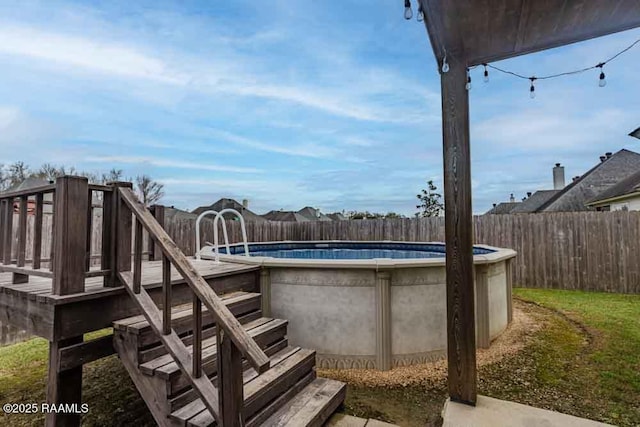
[
  {"x": 296, "y": 149},
  {"x": 94, "y": 55},
  {"x": 226, "y": 74},
  {"x": 179, "y": 164}
]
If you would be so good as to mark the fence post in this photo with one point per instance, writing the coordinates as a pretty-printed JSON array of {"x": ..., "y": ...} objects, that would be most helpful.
[{"x": 70, "y": 235}]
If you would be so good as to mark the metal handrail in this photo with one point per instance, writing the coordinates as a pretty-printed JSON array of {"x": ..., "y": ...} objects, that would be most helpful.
[
  {"x": 224, "y": 231},
  {"x": 215, "y": 232}
]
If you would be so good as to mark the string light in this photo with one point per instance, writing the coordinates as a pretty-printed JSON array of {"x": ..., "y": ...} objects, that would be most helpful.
[
  {"x": 420, "y": 13},
  {"x": 408, "y": 13},
  {"x": 468, "y": 85},
  {"x": 532, "y": 89},
  {"x": 602, "y": 82}
]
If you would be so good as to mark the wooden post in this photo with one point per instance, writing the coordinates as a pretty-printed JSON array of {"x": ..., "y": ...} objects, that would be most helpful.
[
  {"x": 63, "y": 387},
  {"x": 229, "y": 381},
  {"x": 22, "y": 240},
  {"x": 70, "y": 235},
  {"x": 154, "y": 250},
  {"x": 461, "y": 339},
  {"x": 120, "y": 233},
  {"x": 3, "y": 226},
  {"x": 8, "y": 231},
  {"x": 69, "y": 264},
  {"x": 37, "y": 231},
  {"x": 108, "y": 242}
]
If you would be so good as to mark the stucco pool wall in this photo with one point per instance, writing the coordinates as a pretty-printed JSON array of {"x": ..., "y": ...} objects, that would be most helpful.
[{"x": 380, "y": 313}]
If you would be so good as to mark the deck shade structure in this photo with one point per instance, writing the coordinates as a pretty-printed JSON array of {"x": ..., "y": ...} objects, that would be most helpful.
[{"x": 473, "y": 32}]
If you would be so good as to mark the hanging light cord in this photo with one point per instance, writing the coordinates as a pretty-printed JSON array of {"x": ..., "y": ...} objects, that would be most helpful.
[{"x": 567, "y": 73}]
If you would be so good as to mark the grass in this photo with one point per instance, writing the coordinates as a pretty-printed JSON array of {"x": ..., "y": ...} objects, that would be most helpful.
[{"x": 585, "y": 361}]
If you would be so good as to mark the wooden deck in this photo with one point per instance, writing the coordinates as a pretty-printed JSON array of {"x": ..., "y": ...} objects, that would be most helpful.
[{"x": 33, "y": 307}]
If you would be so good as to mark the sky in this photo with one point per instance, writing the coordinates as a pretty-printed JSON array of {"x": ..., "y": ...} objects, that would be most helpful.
[{"x": 333, "y": 104}]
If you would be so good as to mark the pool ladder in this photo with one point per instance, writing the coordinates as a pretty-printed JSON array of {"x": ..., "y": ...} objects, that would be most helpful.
[{"x": 218, "y": 216}]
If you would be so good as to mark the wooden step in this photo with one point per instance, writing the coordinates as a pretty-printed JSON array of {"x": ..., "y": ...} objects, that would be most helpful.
[
  {"x": 264, "y": 331},
  {"x": 151, "y": 352},
  {"x": 311, "y": 407},
  {"x": 239, "y": 303},
  {"x": 291, "y": 370}
]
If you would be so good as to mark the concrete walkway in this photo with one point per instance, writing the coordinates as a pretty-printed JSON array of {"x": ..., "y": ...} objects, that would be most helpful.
[
  {"x": 490, "y": 412},
  {"x": 341, "y": 420}
]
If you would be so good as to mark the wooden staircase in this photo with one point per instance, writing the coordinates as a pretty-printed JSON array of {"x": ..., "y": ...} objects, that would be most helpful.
[{"x": 216, "y": 361}]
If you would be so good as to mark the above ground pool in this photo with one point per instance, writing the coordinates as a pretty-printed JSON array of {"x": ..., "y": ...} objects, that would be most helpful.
[
  {"x": 347, "y": 250},
  {"x": 372, "y": 305}
]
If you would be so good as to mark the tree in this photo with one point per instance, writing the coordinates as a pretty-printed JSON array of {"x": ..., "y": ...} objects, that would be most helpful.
[
  {"x": 17, "y": 173},
  {"x": 430, "y": 204},
  {"x": 149, "y": 191},
  {"x": 112, "y": 176}
]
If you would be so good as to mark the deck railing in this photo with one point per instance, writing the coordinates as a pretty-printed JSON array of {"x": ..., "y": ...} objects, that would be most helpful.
[
  {"x": 68, "y": 207},
  {"x": 225, "y": 402}
]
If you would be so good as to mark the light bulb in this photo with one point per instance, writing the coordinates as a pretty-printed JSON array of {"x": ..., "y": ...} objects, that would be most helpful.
[
  {"x": 420, "y": 14},
  {"x": 602, "y": 82},
  {"x": 468, "y": 85},
  {"x": 532, "y": 89},
  {"x": 408, "y": 13},
  {"x": 486, "y": 76}
]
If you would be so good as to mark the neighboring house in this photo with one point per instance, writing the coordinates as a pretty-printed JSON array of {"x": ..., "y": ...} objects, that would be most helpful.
[
  {"x": 623, "y": 196},
  {"x": 224, "y": 203},
  {"x": 289, "y": 216},
  {"x": 612, "y": 169},
  {"x": 337, "y": 216},
  {"x": 313, "y": 214},
  {"x": 533, "y": 201},
  {"x": 502, "y": 208}
]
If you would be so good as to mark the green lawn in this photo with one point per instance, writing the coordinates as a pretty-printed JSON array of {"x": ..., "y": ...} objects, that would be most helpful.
[
  {"x": 604, "y": 370},
  {"x": 585, "y": 361}
]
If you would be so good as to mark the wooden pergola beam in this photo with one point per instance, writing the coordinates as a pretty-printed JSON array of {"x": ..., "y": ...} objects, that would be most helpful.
[
  {"x": 467, "y": 33},
  {"x": 461, "y": 331}
]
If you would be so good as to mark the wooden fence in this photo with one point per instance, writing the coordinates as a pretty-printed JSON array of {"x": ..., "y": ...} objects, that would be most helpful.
[{"x": 596, "y": 251}]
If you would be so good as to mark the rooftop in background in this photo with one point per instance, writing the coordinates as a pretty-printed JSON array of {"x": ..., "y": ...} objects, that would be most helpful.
[
  {"x": 635, "y": 133},
  {"x": 503, "y": 208},
  {"x": 224, "y": 203},
  {"x": 533, "y": 202},
  {"x": 627, "y": 187},
  {"x": 290, "y": 216},
  {"x": 313, "y": 214},
  {"x": 612, "y": 169}
]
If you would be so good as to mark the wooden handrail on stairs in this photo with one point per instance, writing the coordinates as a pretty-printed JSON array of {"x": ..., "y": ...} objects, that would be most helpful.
[{"x": 233, "y": 341}]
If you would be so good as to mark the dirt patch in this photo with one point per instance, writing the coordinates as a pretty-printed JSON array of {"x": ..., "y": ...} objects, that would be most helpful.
[{"x": 510, "y": 342}]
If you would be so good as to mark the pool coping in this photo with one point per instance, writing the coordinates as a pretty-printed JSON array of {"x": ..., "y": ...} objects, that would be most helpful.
[{"x": 500, "y": 254}]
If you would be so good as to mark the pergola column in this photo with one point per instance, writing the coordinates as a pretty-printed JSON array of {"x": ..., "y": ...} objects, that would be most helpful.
[{"x": 461, "y": 334}]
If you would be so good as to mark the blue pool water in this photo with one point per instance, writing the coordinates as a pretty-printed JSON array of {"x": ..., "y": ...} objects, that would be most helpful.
[{"x": 346, "y": 250}]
